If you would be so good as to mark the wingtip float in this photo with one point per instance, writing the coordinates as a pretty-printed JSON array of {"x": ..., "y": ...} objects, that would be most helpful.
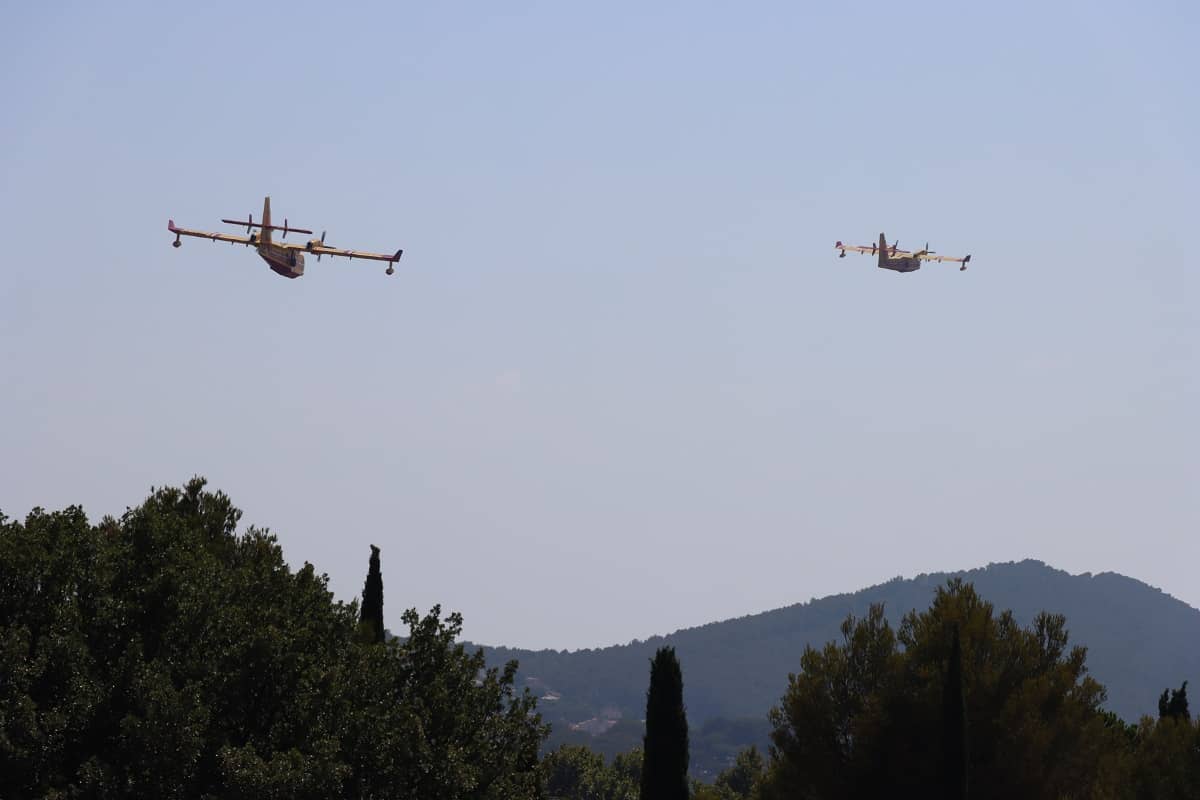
[
  {"x": 893, "y": 258},
  {"x": 284, "y": 258}
]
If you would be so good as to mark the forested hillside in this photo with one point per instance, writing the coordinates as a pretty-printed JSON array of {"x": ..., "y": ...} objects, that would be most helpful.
[
  {"x": 167, "y": 654},
  {"x": 1139, "y": 640}
]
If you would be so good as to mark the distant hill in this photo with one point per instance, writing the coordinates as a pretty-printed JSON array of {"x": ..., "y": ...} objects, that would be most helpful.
[{"x": 1139, "y": 639}]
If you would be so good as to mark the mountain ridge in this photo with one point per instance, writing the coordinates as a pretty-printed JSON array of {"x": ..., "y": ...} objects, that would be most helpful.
[{"x": 1140, "y": 640}]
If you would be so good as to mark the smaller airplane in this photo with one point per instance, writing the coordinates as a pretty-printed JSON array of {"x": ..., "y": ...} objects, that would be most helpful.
[
  {"x": 899, "y": 260},
  {"x": 285, "y": 259}
]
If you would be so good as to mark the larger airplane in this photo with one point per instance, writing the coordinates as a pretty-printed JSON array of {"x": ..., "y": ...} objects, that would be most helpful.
[
  {"x": 285, "y": 259},
  {"x": 899, "y": 260}
]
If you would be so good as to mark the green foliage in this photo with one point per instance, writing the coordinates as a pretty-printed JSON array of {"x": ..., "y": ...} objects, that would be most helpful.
[
  {"x": 718, "y": 744},
  {"x": 1166, "y": 762},
  {"x": 742, "y": 779},
  {"x": 627, "y": 767},
  {"x": 705, "y": 791},
  {"x": 954, "y": 723},
  {"x": 571, "y": 773},
  {"x": 165, "y": 655},
  {"x": 712, "y": 746},
  {"x": 857, "y": 720},
  {"x": 665, "y": 771},
  {"x": 371, "y": 614},
  {"x": 574, "y": 772}
]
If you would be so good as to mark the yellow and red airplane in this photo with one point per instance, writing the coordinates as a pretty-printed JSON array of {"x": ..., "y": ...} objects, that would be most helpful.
[
  {"x": 899, "y": 260},
  {"x": 285, "y": 259}
]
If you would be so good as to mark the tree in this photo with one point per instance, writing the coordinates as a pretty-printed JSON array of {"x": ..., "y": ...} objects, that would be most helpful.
[
  {"x": 572, "y": 772},
  {"x": 575, "y": 772},
  {"x": 830, "y": 734},
  {"x": 626, "y": 773},
  {"x": 665, "y": 769},
  {"x": 165, "y": 654},
  {"x": 954, "y": 724},
  {"x": 857, "y": 720},
  {"x": 371, "y": 616},
  {"x": 1166, "y": 763},
  {"x": 740, "y": 780}
]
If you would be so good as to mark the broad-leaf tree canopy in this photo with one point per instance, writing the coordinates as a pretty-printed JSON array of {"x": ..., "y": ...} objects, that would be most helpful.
[{"x": 165, "y": 654}]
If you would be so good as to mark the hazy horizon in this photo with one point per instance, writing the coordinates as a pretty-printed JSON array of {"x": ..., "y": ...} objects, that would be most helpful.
[{"x": 620, "y": 383}]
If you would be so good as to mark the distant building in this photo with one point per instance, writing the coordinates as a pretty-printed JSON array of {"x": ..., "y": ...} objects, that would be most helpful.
[{"x": 595, "y": 726}]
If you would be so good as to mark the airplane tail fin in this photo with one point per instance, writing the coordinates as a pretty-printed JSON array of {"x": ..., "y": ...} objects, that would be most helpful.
[
  {"x": 266, "y": 221},
  {"x": 883, "y": 250}
]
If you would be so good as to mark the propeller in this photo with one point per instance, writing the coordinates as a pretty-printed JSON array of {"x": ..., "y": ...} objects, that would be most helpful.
[
  {"x": 285, "y": 229},
  {"x": 249, "y": 222},
  {"x": 322, "y": 244}
]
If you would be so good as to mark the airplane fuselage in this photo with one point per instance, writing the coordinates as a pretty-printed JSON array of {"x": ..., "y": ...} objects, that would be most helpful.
[
  {"x": 281, "y": 260},
  {"x": 287, "y": 263},
  {"x": 900, "y": 264}
]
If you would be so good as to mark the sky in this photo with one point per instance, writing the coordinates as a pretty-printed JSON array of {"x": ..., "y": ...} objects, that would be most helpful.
[{"x": 620, "y": 383}]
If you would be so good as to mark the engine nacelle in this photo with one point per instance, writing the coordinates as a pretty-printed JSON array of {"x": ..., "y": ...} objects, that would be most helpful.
[{"x": 316, "y": 242}]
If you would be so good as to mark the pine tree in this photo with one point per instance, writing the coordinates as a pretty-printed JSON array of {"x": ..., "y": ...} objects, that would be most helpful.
[
  {"x": 371, "y": 618},
  {"x": 665, "y": 768},
  {"x": 954, "y": 724}
]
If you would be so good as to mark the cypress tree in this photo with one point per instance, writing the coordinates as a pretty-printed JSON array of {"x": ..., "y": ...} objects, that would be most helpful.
[
  {"x": 371, "y": 616},
  {"x": 665, "y": 765},
  {"x": 954, "y": 725}
]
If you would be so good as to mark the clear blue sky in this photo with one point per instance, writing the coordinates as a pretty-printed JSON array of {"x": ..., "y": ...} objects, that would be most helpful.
[{"x": 620, "y": 383}]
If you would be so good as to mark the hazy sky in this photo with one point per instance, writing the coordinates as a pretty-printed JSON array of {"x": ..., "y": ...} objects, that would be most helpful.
[{"x": 620, "y": 383}]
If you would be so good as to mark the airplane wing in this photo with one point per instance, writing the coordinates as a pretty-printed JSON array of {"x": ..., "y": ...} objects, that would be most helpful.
[
  {"x": 853, "y": 248},
  {"x": 216, "y": 237},
  {"x": 940, "y": 258},
  {"x": 870, "y": 249},
  {"x": 322, "y": 250}
]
